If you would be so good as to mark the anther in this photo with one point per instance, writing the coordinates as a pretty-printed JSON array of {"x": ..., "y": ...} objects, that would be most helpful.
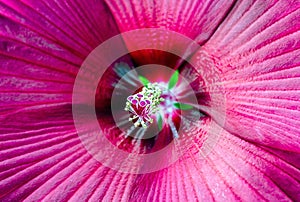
[{"x": 144, "y": 104}]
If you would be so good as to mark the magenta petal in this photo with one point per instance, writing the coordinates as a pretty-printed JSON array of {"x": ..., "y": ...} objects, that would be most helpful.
[
  {"x": 234, "y": 170},
  {"x": 41, "y": 52},
  {"x": 195, "y": 19},
  {"x": 42, "y": 47},
  {"x": 256, "y": 51}
]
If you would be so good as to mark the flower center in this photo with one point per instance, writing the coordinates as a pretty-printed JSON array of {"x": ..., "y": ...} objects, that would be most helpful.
[{"x": 144, "y": 104}]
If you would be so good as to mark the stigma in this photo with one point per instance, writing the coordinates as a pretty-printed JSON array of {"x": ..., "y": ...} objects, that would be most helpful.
[{"x": 143, "y": 105}]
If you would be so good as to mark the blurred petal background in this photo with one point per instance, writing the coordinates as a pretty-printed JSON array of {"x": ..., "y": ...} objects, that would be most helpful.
[{"x": 255, "y": 47}]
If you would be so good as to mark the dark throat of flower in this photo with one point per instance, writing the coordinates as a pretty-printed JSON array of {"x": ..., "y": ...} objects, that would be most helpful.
[{"x": 156, "y": 103}]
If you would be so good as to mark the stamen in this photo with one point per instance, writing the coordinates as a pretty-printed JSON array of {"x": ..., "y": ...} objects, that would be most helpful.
[{"x": 144, "y": 104}]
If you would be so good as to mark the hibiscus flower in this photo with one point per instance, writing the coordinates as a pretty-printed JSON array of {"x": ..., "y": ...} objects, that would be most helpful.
[{"x": 201, "y": 103}]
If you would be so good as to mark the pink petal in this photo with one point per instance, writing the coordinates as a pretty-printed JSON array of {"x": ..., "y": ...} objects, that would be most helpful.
[
  {"x": 234, "y": 170},
  {"x": 195, "y": 19},
  {"x": 42, "y": 47},
  {"x": 45, "y": 51},
  {"x": 256, "y": 54}
]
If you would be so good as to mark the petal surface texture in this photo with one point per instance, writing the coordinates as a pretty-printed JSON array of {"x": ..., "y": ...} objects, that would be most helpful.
[
  {"x": 256, "y": 51},
  {"x": 253, "y": 48}
]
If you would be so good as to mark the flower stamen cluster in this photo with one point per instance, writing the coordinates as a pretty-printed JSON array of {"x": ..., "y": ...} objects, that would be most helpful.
[{"x": 144, "y": 104}]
